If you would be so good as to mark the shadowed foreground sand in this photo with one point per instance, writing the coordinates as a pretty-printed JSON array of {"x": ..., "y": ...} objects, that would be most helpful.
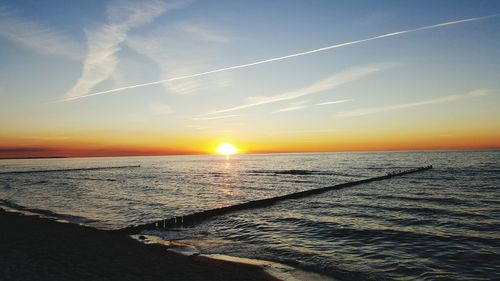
[{"x": 39, "y": 249}]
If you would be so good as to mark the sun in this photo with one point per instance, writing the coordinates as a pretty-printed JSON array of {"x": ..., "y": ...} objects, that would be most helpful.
[{"x": 226, "y": 149}]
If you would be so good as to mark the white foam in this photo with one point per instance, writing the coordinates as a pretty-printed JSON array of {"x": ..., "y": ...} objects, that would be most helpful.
[
  {"x": 278, "y": 270},
  {"x": 177, "y": 247}
]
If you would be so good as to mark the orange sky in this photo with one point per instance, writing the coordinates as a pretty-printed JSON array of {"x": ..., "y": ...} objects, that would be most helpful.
[{"x": 17, "y": 148}]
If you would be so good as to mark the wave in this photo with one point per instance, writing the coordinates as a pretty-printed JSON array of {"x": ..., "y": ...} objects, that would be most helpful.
[
  {"x": 381, "y": 234},
  {"x": 90, "y": 179},
  {"x": 425, "y": 211},
  {"x": 5, "y": 184},
  {"x": 438, "y": 200}
]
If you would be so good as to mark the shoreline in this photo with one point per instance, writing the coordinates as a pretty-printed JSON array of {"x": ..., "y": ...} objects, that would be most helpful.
[
  {"x": 278, "y": 271},
  {"x": 37, "y": 248}
]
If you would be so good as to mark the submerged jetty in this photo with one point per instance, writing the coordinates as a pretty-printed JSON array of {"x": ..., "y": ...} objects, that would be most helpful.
[{"x": 192, "y": 219}]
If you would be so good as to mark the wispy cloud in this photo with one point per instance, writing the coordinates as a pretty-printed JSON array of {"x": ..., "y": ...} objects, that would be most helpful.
[
  {"x": 301, "y": 105},
  {"x": 181, "y": 49},
  {"x": 297, "y": 103},
  {"x": 37, "y": 36},
  {"x": 335, "y": 46},
  {"x": 23, "y": 149},
  {"x": 334, "y": 102},
  {"x": 104, "y": 41},
  {"x": 375, "y": 110},
  {"x": 49, "y": 138},
  {"x": 199, "y": 128},
  {"x": 214, "y": 117},
  {"x": 202, "y": 33},
  {"x": 291, "y": 108},
  {"x": 328, "y": 83}
]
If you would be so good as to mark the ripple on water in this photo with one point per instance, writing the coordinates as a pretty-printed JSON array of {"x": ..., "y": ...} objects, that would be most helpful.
[{"x": 441, "y": 224}]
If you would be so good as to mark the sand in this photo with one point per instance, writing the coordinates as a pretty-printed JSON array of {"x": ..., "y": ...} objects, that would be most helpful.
[{"x": 33, "y": 248}]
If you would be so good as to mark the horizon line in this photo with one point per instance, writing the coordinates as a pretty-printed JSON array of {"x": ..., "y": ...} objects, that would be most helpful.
[{"x": 465, "y": 149}]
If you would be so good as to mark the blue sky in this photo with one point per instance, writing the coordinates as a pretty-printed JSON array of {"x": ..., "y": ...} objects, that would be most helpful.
[{"x": 54, "y": 50}]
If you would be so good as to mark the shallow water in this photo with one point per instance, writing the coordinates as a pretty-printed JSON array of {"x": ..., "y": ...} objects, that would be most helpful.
[{"x": 438, "y": 224}]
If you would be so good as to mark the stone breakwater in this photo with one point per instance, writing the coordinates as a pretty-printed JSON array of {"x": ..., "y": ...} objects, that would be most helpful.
[{"x": 192, "y": 219}]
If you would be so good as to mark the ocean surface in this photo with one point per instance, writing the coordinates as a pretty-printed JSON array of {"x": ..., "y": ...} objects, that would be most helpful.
[{"x": 441, "y": 224}]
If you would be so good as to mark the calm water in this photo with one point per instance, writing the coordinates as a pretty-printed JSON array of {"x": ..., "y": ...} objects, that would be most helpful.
[{"x": 439, "y": 224}]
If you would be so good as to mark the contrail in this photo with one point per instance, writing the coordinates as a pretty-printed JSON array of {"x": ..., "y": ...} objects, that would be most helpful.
[{"x": 281, "y": 58}]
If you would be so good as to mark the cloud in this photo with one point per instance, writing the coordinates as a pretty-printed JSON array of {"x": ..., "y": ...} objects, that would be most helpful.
[
  {"x": 300, "y": 105},
  {"x": 49, "y": 138},
  {"x": 335, "y": 46},
  {"x": 294, "y": 106},
  {"x": 297, "y": 103},
  {"x": 181, "y": 49},
  {"x": 202, "y": 33},
  {"x": 291, "y": 108},
  {"x": 37, "y": 37},
  {"x": 334, "y": 102},
  {"x": 104, "y": 41},
  {"x": 479, "y": 92},
  {"x": 214, "y": 117},
  {"x": 328, "y": 83},
  {"x": 199, "y": 128},
  {"x": 22, "y": 149},
  {"x": 375, "y": 110}
]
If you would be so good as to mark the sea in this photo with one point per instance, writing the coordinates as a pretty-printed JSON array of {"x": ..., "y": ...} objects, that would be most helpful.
[{"x": 439, "y": 224}]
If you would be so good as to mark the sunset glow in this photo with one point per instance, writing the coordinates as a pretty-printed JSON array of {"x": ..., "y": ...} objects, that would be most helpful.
[{"x": 226, "y": 149}]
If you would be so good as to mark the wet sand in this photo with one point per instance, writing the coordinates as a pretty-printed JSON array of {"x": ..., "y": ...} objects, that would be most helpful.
[{"x": 33, "y": 248}]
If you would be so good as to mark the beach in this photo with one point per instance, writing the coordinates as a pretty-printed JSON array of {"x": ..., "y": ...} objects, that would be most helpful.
[{"x": 35, "y": 248}]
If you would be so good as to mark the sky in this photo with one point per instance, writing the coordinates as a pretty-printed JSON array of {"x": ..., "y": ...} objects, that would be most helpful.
[{"x": 122, "y": 78}]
